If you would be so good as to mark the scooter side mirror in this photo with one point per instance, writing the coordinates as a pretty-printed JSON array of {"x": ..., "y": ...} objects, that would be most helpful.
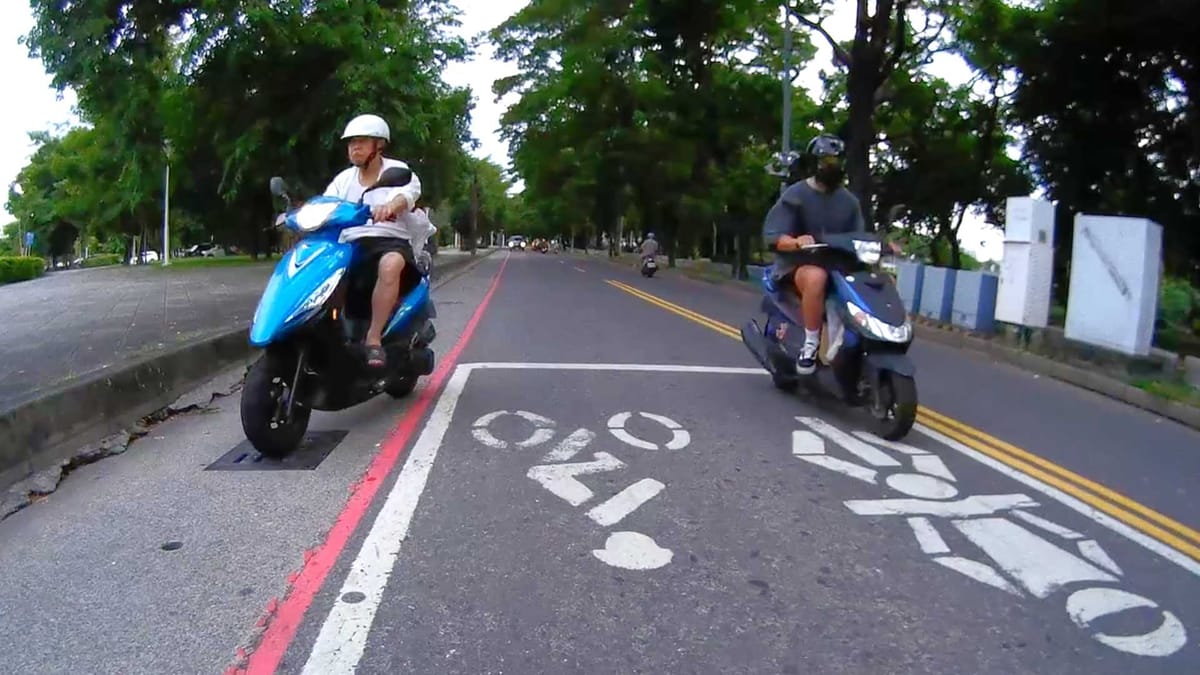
[
  {"x": 394, "y": 177},
  {"x": 278, "y": 187}
]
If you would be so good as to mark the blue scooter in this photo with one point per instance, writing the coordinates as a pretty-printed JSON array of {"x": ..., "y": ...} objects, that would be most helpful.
[
  {"x": 311, "y": 321},
  {"x": 868, "y": 332}
]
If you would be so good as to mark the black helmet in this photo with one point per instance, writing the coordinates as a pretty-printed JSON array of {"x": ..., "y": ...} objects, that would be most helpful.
[{"x": 825, "y": 145}]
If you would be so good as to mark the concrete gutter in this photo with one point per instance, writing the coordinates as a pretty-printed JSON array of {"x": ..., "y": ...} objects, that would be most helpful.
[{"x": 51, "y": 432}]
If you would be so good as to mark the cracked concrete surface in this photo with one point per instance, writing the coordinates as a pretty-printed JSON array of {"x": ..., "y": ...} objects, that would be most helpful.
[{"x": 45, "y": 482}]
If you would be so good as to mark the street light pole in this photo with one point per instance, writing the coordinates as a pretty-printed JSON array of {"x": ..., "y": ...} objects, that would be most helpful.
[
  {"x": 166, "y": 245},
  {"x": 787, "y": 91}
]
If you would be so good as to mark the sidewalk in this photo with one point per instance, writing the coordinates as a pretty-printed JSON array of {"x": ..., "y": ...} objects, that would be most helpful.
[{"x": 69, "y": 324}]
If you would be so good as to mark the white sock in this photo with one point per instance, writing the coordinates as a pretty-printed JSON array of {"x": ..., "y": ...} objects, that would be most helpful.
[{"x": 812, "y": 337}]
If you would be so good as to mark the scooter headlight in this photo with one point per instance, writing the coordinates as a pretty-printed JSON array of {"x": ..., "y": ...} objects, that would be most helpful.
[
  {"x": 869, "y": 252},
  {"x": 877, "y": 329},
  {"x": 311, "y": 217},
  {"x": 319, "y": 296}
]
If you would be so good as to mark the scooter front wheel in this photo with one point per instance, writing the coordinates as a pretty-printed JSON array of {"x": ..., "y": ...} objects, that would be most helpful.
[
  {"x": 894, "y": 406},
  {"x": 265, "y": 420}
]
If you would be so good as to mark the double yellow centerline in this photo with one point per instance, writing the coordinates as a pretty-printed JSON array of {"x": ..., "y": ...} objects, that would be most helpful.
[{"x": 1138, "y": 516}]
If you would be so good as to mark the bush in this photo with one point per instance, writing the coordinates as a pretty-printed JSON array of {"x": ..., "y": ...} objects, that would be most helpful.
[
  {"x": 103, "y": 260},
  {"x": 21, "y": 269}
]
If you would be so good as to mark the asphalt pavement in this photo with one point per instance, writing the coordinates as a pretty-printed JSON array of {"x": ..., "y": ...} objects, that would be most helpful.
[{"x": 598, "y": 478}]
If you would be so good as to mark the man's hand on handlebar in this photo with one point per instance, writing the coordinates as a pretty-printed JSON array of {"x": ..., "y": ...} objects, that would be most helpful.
[{"x": 790, "y": 243}]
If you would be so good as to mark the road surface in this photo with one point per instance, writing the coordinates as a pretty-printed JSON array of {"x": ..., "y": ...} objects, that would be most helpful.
[{"x": 598, "y": 479}]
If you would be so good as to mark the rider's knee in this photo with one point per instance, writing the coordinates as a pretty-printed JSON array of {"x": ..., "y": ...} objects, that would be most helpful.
[
  {"x": 391, "y": 265},
  {"x": 811, "y": 278}
]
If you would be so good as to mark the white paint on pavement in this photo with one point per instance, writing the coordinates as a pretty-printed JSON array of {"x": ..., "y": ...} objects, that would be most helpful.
[
  {"x": 903, "y": 448},
  {"x": 633, "y": 551},
  {"x": 618, "y": 367},
  {"x": 807, "y": 443},
  {"x": 543, "y": 429},
  {"x": 974, "y": 505},
  {"x": 680, "y": 438},
  {"x": 339, "y": 645},
  {"x": 978, "y": 571},
  {"x": 928, "y": 538},
  {"x": 1051, "y": 527},
  {"x": 1096, "y": 515},
  {"x": 1088, "y": 604},
  {"x": 921, "y": 486},
  {"x": 864, "y": 451},
  {"x": 560, "y": 478},
  {"x": 1091, "y": 550},
  {"x": 625, "y": 502},
  {"x": 841, "y": 466},
  {"x": 932, "y": 465},
  {"x": 1038, "y": 565},
  {"x": 570, "y": 446}
]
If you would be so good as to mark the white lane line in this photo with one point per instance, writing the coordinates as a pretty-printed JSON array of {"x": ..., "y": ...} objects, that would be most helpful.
[
  {"x": 1067, "y": 500},
  {"x": 343, "y": 636},
  {"x": 616, "y": 367}
]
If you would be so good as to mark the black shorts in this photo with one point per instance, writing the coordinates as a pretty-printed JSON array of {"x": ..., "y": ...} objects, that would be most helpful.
[
  {"x": 369, "y": 250},
  {"x": 786, "y": 269}
]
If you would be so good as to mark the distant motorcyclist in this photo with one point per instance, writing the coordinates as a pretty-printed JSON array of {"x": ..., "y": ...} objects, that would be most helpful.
[
  {"x": 383, "y": 243},
  {"x": 813, "y": 206},
  {"x": 649, "y": 247}
]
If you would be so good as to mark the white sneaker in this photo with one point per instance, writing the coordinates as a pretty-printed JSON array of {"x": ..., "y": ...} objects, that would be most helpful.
[{"x": 807, "y": 362}]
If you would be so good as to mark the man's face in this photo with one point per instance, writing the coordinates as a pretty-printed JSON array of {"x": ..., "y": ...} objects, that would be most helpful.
[
  {"x": 830, "y": 170},
  {"x": 360, "y": 148}
]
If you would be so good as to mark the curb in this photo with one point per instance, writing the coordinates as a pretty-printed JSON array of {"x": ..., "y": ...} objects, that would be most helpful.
[
  {"x": 54, "y": 427},
  {"x": 1086, "y": 379},
  {"x": 1184, "y": 414}
]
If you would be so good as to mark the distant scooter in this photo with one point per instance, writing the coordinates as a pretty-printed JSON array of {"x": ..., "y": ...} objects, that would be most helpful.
[
  {"x": 869, "y": 335},
  {"x": 649, "y": 266}
]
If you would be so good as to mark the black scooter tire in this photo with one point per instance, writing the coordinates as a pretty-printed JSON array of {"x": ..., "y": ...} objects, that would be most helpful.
[
  {"x": 258, "y": 407},
  {"x": 901, "y": 391},
  {"x": 401, "y": 387}
]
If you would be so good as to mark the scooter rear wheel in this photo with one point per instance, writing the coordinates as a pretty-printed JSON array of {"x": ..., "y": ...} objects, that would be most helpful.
[
  {"x": 894, "y": 406},
  {"x": 401, "y": 387},
  {"x": 264, "y": 398}
]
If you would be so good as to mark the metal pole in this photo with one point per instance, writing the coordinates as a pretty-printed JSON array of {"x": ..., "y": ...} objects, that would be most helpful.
[
  {"x": 787, "y": 90},
  {"x": 166, "y": 256}
]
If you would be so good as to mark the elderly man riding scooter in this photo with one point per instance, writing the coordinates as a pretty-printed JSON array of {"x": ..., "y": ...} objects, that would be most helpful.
[{"x": 384, "y": 242}]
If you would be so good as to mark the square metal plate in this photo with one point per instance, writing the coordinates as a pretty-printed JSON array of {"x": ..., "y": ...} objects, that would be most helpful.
[{"x": 313, "y": 450}]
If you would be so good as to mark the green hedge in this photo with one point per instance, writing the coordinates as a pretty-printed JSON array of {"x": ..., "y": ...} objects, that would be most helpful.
[
  {"x": 21, "y": 269},
  {"x": 103, "y": 260}
]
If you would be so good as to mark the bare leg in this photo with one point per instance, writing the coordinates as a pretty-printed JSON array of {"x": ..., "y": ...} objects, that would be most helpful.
[
  {"x": 387, "y": 290},
  {"x": 810, "y": 285}
]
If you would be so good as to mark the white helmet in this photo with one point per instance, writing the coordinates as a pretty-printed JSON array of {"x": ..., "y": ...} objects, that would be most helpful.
[{"x": 367, "y": 125}]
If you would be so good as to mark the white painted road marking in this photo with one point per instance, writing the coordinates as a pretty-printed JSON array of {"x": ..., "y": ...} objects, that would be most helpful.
[
  {"x": 560, "y": 478},
  {"x": 625, "y": 502},
  {"x": 339, "y": 645},
  {"x": 542, "y": 432},
  {"x": 343, "y": 634},
  {"x": 679, "y": 436},
  {"x": 1020, "y": 558}
]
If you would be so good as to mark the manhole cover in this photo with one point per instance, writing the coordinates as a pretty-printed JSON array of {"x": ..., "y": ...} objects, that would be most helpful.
[{"x": 313, "y": 450}]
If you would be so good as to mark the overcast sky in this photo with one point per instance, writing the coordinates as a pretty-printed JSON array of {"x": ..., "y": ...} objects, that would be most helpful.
[{"x": 41, "y": 108}]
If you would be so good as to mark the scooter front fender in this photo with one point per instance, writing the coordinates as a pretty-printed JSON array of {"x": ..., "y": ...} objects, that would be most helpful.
[{"x": 301, "y": 283}]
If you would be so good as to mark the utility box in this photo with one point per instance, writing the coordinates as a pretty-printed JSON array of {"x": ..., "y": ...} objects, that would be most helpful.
[
  {"x": 975, "y": 301},
  {"x": 1027, "y": 269},
  {"x": 909, "y": 277},
  {"x": 1116, "y": 266},
  {"x": 937, "y": 293}
]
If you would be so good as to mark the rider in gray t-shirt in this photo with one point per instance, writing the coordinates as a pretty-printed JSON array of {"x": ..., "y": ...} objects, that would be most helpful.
[{"x": 812, "y": 207}]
